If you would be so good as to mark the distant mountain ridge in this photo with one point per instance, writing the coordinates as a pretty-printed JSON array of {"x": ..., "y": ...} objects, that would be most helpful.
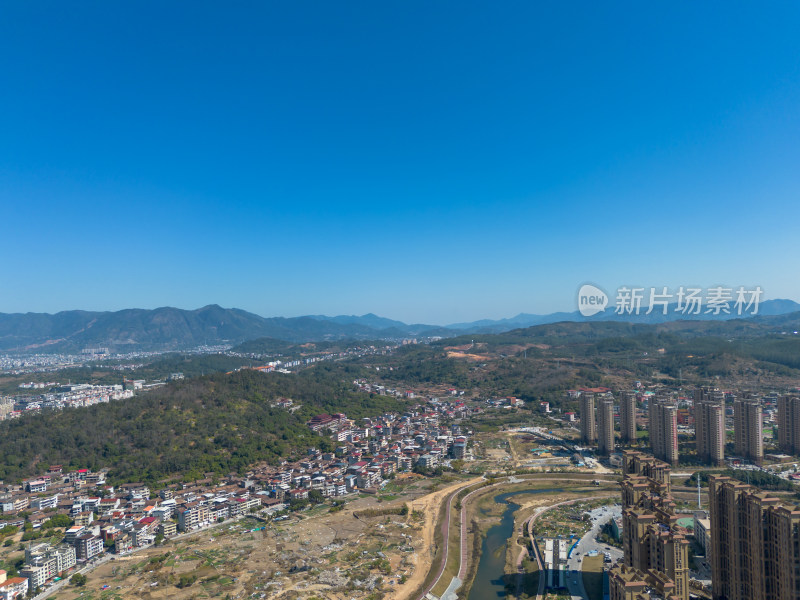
[
  {"x": 766, "y": 308},
  {"x": 170, "y": 328}
]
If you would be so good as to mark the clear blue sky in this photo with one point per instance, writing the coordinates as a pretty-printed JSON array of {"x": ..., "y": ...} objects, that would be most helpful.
[{"x": 427, "y": 161}]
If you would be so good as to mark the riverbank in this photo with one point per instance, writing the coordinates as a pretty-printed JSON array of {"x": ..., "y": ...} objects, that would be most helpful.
[{"x": 484, "y": 512}]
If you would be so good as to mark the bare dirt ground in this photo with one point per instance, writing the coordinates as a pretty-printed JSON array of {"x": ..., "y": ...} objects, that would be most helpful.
[
  {"x": 429, "y": 507},
  {"x": 315, "y": 554},
  {"x": 326, "y": 553},
  {"x": 475, "y": 357},
  {"x": 335, "y": 556}
]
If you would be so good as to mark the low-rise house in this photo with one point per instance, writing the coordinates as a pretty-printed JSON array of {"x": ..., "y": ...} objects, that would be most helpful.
[
  {"x": 38, "y": 574},
  {"x": 37, "y": 519},
  {"x": 14, "y": 503},
  {"x": 72, "y": 533},
  {"x": 188, "y": 518},
  {"x": 107, "y": 505},
  {"x": 37, "y": 486},
  {"x": 45, "y": 502},
  {"x": 168, "y": 529},
  {"x": 87, "y": 546},
  {"x": 123, "y": 543},
  {"x": 84, "y": 518},
  {"x": 135, "y": 490},
  {"x": 14, "y": 588}
]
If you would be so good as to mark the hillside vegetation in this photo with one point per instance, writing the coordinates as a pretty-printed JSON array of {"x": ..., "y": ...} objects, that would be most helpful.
[{"x": 220, "y": 423}]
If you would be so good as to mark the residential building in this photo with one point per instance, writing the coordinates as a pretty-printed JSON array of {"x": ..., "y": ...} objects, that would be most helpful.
[
  {"x": 789, "y": 424},
  {"x": 188, "y": 518},
  {"x": 62, "y": 557},
  {"x": 588, "y": 428},
  {"x": 459, "y": 448},
  {"x": 38, "y": 574},
  {"x": 168, "y": 529},
  {"x": 628, "y": 583},
  {"x": 605, "y": 426},
  {"x": 87, "y": 546},
  {"x": 73, "y": 533},
  {"x": 709, "y": 425},
  {"x": 36, "y": 486},
  {"x": 663, "y": 429},
  {"x": 45, "y": 502},
  {"x": 6, "y": 407},
  {"x": 656, "y": 549},
  {"x": 627, "y": 417},
  {"x": 747, "y": 429},
  {"x": 14, "y": 503},
  {"x": 702, "y": 532},
  {"x": 755, "y": 543},
  {"x": 14, "y": 588}
]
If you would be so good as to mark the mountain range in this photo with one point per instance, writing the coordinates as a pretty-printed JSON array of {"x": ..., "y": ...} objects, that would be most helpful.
[{"x": 170, "y": 328}]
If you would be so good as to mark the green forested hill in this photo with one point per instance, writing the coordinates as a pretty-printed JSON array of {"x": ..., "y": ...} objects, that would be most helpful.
[{"x": 218, "y": 423}]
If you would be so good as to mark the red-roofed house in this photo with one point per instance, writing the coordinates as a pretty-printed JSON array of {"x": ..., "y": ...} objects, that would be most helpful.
[{"x": 14, "y": 588}]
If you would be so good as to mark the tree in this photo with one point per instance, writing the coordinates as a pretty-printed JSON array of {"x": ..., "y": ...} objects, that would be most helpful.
[
  {"x": 187, "y": 428},
  {"x": 297, "y": 504},
  {"x": 186, "y": 580},
  {"x": 8, "y": 530},
  {"x": 78, "y": 580},
  {"x": 58, "y": 521}
]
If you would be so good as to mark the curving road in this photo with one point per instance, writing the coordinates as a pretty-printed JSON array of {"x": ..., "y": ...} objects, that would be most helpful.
[
  {"x": 463, "y": 558},
  {"x": 587, "y": 543},
  {"x": 445, "y": 526},
  {"x": 580, "y": 592}
]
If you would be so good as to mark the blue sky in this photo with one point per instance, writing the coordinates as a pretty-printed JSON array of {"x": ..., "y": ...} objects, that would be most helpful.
[{"x": 430, "y": 162}]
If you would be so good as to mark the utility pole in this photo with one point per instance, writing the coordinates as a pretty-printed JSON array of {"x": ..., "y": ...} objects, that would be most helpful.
[{"x": 699, "y": 501}]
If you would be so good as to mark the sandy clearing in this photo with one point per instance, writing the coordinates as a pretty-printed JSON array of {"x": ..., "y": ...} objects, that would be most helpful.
[{"x": 429, "y": 505}]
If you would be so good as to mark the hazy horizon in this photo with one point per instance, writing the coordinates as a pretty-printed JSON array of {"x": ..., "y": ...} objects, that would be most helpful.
[{"x": 572, "y": 309}]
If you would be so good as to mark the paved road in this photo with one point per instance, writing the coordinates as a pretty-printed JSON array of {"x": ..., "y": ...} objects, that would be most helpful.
[
  {"x": 539, "y": 559},
  {"x": 445, "y": 540},
  {"x": 445, "y": 526},
  {"x": 462, "y": 571},
  {"x": 600, "y": 516}
]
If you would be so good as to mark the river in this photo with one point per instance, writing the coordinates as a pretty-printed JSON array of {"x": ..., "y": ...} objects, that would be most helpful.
[{"x": 489, "y": 579}]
